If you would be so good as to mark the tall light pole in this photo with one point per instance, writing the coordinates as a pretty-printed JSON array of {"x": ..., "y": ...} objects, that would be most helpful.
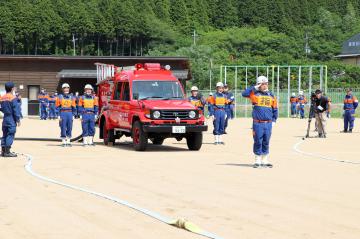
[
  {"x": 194, "y": 35},
  {"x": 74, "y": 44}
]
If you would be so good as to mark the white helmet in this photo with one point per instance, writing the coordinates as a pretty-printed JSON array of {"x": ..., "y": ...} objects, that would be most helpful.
[
  {"x": 88, "y": 86},
  {"x": 293, "y": 94},
  {"x": 219, "y": 84},
  {"x": 65, "y": 85},
  {"x": 261, "y": 80},
  {"x": 194, "y": 88},
  {"x": 301, "y": 92}
]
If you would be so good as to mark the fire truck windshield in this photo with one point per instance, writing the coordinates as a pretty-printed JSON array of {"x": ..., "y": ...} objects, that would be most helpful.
[{"x": 156, "y": 90}]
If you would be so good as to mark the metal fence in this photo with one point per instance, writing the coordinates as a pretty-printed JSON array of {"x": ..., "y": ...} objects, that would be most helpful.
[{"x": 243, "y": 106}]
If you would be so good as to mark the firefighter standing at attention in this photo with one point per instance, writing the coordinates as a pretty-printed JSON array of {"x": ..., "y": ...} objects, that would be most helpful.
[
  {"x": 265, "y": 114},
  {"x": 350, "y": 105},
  {"x": 302, "y": 102},
  {"x": 88, "y": 109},
  {"x": 197, "y": 99},
  {"x": 67, "y": 108},
  {"x": 52, "y": 107},
  {"x": 43, "y": 98},
  {"x": 229, "y": 109},
  {"x": 218, "y": 104},
  {"x": 293, "y": 104},
  {"x": 10, "y": 108}
]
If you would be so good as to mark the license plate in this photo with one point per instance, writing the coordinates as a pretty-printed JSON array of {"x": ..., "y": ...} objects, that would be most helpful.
[{"x": 178, "y": 129}]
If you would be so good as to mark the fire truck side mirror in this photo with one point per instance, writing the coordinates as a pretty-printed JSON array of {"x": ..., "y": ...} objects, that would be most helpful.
[{"x": 136, "y": 96}]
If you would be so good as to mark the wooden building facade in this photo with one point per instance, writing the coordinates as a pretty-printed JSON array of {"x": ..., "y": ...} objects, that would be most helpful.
[{"x": 31, "y": 73}]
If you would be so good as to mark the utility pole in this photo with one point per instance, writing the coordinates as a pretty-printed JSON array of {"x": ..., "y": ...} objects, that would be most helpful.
[
  {"x": 307, "y": 47},
  {"x": 74, "y": 43},
  {"x": 210, "y": 74},
  {"x": 194, "y": 35}
]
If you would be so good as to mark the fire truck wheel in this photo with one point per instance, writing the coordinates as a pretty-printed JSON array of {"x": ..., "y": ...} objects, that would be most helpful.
[
  {"x": 140, "y": 138},
  {"x": 108, "y": 135},
  {"x": 157, "y": 140},
  {"x": 194, "y": 141}
]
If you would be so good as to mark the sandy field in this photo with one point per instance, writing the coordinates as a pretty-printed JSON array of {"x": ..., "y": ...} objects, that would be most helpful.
[{"x": 216, "y": 188}]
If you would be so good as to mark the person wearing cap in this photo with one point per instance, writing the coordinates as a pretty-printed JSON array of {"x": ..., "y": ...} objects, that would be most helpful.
[
  {"x": 302, "y": 102},
  {"x": 88, "y": 109},
  {"x": 218, "y": 104},
  {"x": 229, "y": 109},
  {"x": 265, "y": 114},
  {"x": 43, "y": 98},
  {"x": 67, "y": 108},
  {"x": 197, "y": 99},
  {"x": 321, "y": 107},
  {"x": 293, "y": 104},
  {"x": 52, "y": 106},
  {"x": 11, "y": 110},
  {"x": 350, "y": 105}
]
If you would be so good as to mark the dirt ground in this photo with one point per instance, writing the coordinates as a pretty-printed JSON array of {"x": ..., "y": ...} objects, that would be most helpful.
[{"x": 216, "y": 188}]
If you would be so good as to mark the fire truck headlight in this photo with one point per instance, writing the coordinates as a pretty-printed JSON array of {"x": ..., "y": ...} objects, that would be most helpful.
[
  {"x": 192, "y": 114},
  {"x": 156, "y": 114}
]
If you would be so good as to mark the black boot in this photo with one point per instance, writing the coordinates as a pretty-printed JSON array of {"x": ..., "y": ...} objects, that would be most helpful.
[
  {"x": 2, "y": 151},
  {"x": 9, "y": 154},
  {"x": 350, "y": 131}
]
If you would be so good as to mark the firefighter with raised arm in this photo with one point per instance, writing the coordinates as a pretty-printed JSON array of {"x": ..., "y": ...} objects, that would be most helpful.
[
  {"x": 66, "y": 105},
  {"x": 218, "y": 104},
  {"x": 350, "y": 105},
  {"x": 302, "y": 102},
  {"x": 43, "y": 98},
  {"x": 265, "y": 114},
  {"x": 88, "y": 109},
  {"x": 229, "y": 109},
  {"x": 9, "y": 106},
  {"x": 197, "y": 99},
  {"x": 293, "y": 104}
]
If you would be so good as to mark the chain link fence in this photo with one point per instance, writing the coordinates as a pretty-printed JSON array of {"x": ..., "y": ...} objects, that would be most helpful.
[{"x": 243, "y": 106}]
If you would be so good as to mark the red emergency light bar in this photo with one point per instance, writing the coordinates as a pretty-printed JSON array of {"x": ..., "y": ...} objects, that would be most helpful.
[{"x": 148, "y": 66}]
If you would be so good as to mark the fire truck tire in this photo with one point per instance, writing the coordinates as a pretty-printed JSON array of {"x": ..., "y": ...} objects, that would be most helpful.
[
  {"x": 108, "y": 135},
  {"x": 140, "y": 138},
  {"x": 194, "y": 141},
  {"x": 157, "y": 140}
]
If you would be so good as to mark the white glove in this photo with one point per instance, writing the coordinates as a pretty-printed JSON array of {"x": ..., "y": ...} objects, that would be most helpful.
[
  {"x": 226, "y": 116},
  {"x": 320, "y": 108},
  {"x": 80, "y": 116},
  {"x": 73, "y": 117},
  {"x": 257, "y": 86},
  {"x": 58, "y": 117},
  {"x": 273, "y": 124},
  {"x": 96, "y": 117}
]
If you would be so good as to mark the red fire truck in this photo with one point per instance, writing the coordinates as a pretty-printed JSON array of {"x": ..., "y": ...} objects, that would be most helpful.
[{"x": 146, "y": 102}]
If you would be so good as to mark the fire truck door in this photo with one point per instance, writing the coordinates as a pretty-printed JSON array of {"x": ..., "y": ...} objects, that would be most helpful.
[{"x": 125, "y": 105}]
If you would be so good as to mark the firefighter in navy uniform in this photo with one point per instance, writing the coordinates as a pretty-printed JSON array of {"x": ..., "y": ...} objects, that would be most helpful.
[
  {"x": 43, "y": 98},
  {"x": 350, "y": 105},
  {"x": 229, "y": 109},
  {"x": 197, "y": 99},
  {"x": 52, "y": 106},
  {"x": 11, "y": 110},
  {"x": 88, "y": 109},
  {"x": 218, "y": 104},
  {"x": 67, "y": 108},
  {"x": 302, "y": 102},
  {"x": 293, "y": 104},
  {"x": 265, "y": 114}
]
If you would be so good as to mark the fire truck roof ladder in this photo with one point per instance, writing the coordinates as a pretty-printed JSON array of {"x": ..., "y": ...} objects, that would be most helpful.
[{"x": 104, "y": 72}]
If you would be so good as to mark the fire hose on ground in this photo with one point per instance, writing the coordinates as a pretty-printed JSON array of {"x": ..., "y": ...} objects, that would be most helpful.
[{"x": 179, "y": 223}]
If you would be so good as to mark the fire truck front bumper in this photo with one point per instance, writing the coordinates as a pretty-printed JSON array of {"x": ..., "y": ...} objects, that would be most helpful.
[{"x": 175, "y": 129}]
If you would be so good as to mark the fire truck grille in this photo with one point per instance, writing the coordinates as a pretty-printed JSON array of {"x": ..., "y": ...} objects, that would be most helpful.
[{"x": 173, "y": 114}]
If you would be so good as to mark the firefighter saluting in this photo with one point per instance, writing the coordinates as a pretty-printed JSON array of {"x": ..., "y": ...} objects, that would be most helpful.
[
  {"x": 350, "y": 105},
  {"x": 67, "y": 108},
  {"x": 265, "y": 113},
  {"x": 197, "y": 99},
  {"x": 88, "y": 109},
  {"x": 218, "y": 104}
]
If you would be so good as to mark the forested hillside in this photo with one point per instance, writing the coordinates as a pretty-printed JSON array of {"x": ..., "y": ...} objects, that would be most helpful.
[{"x": 226, "y": 31}]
